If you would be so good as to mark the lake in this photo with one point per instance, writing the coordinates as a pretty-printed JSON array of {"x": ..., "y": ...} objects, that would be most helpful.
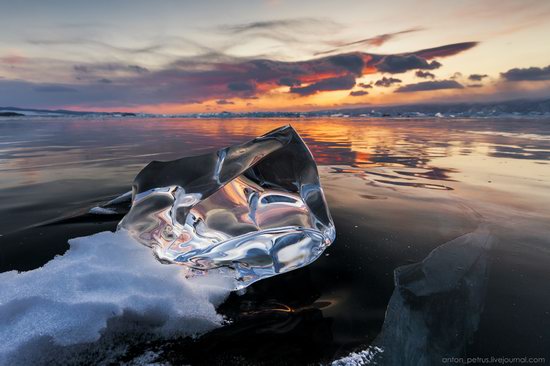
[{"x": 397, "y": 190}]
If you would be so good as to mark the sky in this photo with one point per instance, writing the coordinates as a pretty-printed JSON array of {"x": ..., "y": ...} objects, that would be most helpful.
[{"x": 270, "y": 55}]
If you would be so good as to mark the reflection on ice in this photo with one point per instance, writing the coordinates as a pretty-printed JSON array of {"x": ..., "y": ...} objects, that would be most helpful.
[
  {"x": 391, "y": 177},
  {"x": 256, "y": 209}
]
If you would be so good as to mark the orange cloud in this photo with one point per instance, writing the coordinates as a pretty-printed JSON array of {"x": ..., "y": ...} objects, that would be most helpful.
[{"x": 221, "y": 82}]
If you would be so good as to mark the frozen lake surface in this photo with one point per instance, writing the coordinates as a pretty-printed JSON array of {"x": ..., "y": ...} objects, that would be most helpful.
[{"x": 461, "y": 206}]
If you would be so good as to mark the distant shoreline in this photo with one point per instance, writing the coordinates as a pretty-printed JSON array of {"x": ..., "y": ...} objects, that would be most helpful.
[{"x": 514, "y": 108}]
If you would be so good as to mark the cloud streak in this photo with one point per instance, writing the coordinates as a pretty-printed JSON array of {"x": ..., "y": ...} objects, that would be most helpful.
[
  {"x": 83, "y": 41},
  {"x": 375, "y": 41},
  {"x": 446, "y": 50},
  {"x": 274, "y": 25}
]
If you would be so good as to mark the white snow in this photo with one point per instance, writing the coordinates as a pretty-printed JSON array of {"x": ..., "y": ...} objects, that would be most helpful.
[
  {"x": 69, "y": 300},
  {"x": 366, "y": 357}
]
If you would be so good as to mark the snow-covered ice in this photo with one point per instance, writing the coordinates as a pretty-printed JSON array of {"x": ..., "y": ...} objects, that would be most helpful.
[{"x": 108, "y": 275}]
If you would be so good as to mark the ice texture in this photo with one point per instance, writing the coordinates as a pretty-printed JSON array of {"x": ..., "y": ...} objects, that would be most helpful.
[
  {"x": 366, "y": 357},
  {"x": 252, "y": 210},
  {"x": 72, "y": 299},
  {"x": 436, "y": 305}
]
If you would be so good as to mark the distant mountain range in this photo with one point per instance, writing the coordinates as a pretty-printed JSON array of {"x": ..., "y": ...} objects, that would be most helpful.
[{"x": 486, "y": 109}]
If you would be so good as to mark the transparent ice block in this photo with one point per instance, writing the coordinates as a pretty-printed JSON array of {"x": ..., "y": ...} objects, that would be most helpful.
[{"x": 251, "y": 211}]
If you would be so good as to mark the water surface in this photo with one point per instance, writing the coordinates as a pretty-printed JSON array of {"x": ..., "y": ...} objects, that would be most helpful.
[{"x": 397, "y": 189}]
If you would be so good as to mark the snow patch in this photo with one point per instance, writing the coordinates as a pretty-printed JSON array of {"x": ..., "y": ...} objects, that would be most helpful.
[
  {"x": 70, "y": 300},
  {"x": 366, "y": 357}
]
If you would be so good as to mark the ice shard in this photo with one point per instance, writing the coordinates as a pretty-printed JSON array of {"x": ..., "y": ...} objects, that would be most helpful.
[
  {"x": 436, "y": 306},
  {"x": 252, "y": 210}
]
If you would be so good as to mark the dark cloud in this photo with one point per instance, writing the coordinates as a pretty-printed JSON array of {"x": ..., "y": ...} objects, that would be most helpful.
[
  {"x": 358, "y": 93},
  {"x": 424, "y": 74},
  {"x": 25, "y": 94},
  {"x": 429, "y": 85},
  {"x": 345, "y": 82},
  {"x": 387, "y": 82},
  {"x": 528, "y": 74},
  {"x": 287, "y": 81},
  {"x": 54, "y": 89},
  {"x": 477, "y": 77},
  {"x": 241, "y": 87},
  {"x": 302, "y": 72},
  {"x": 224, "y": 102},
  {"x": 364, "y": 86},
  {"x": 475, "y": 85},
  {"x": 351, "y": 62},
  {"x": 397, "y": 64},
  {"x": 210, "y": 76}
]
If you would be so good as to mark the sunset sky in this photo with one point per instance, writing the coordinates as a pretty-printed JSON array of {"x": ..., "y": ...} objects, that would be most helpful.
[{"x": 191, "y": 56}]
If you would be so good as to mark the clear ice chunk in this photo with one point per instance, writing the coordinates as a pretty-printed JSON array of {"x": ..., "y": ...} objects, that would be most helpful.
[{"x": 251, "y": 211}]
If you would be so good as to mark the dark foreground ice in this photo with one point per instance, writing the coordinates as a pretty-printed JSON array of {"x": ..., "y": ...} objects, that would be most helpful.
[
  {"x": 397, "y": 189},
  {"x": 435, "y": 307}
]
